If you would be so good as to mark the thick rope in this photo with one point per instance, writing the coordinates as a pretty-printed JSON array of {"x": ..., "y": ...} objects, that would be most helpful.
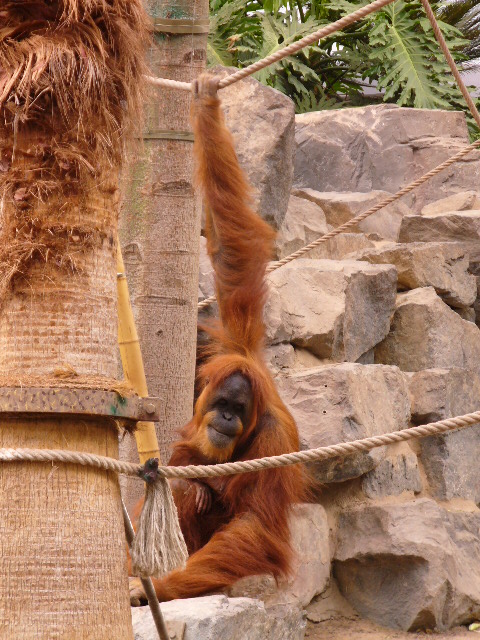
[
  {"x": 167, "y": 82},
  {"x": 289, "y": 50},
  {"x": 244, "y": 466},
  {"x": 357, "y": 219},
  {"x": 146, "y": 582},
  {"x": 338, "y": 25}
]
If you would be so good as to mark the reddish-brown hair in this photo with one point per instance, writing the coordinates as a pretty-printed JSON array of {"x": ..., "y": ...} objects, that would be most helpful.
[{"x": 246, "y": 531}]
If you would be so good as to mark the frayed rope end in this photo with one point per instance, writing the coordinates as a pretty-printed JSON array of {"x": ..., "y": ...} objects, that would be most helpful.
[{"x": 159, "y": 546}]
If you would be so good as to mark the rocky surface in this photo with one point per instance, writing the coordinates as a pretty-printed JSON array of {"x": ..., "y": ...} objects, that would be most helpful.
[
  {"x": 427, "y": 334},
  {"x": 476, "y": 304},
  {"x": 336, "y": 403},
  {"x": 396, "y": 474},
  {"x": 442, "y": 265},
  {"x": 262, "y": 121},
  {"x": 409, "y": 565},
  {"x": 206, "y": 286},
  {"x": 401, "y": 520},
  {"x": 342, "y": 207},
  {"x": 215, "y": 617},
  {"x": 303, "y": 223},
  {"x": 336, "y": 309},
  {"x": 463, "y": 201},
  {"x": 437, "y": 394},
  {"x": 383, "y": 147},
  {"x": 451, "y": 460},
  {"x": 454, "y": 226},
  {"x": 311, "y": 566}
]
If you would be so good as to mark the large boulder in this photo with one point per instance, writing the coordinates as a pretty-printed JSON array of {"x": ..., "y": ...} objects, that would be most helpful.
[
  {"x": 453, "y": 226},
  {"x": 383, "y": 147},
  {"x": 337, "y": 310},
  {"x": 303, "y": 223},
  {"x": 215, "y": 617},
  {"x": 463, "y": 201},
  {"x": 442, "y": 265},
  {"x": 450, "y": 460},
  {"x": 311, "y": 565},
  {"x": 396, "y": 474},
  {"x": 437, "y": 394},
  {"x": 262, "y": 121},
  {"x": 427, "y": 334},
  {"x": 410, "y": 565},
  {"x": 338, "y": 403},
  {"x": 342, "y": 207}
]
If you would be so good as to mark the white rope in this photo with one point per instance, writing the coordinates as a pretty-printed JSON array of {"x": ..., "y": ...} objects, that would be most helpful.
[
  {"x": 338, "y": 25},
  {"x": 244, "y": 466}
]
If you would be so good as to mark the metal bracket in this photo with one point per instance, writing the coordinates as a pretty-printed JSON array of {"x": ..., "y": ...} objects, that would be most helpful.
[
  {"x": 166, "y": 134},
  {"x": 181, "y": 25},
  {"x": 77, "y": 402}
]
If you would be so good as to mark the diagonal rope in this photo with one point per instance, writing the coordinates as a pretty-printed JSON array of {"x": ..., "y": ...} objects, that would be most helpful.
[
  {"x": 357, "y": 219},
  {"x": 244, "y": 466},
  {"x": 289, "y": 50},
  {"x": 451, "y": 62},
  {"x": 309, "y": 39}
]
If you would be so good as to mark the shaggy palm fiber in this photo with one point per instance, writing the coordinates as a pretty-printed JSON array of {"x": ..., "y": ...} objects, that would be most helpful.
[{"x": 70, "y": 96}]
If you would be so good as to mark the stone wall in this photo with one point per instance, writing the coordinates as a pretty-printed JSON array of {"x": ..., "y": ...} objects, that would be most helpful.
[{"x": 372, "y": 332}]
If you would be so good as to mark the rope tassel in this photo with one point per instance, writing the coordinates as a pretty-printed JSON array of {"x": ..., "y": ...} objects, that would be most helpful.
[{"x": 159, "y": 546}]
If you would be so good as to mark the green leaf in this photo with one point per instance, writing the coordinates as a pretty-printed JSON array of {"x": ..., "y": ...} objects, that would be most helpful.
[{"x": 406, "y": 58}]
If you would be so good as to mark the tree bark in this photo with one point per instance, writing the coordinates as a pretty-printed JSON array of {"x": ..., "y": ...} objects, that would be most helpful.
[
  {"x": 70, "y": 73},
  {"x": 160, "y": 229},
  {"x": 63, "y": 560}
]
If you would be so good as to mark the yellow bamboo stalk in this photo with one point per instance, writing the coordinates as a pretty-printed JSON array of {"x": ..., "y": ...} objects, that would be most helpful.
[{"x": 132, "y": 362}]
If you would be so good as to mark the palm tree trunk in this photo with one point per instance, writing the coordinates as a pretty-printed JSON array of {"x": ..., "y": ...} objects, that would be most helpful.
[
  {"x": 67, "y": 91},
  {"x": 160, "y": 229}
]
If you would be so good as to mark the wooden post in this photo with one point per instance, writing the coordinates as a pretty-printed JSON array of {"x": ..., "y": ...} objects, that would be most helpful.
[
  {"x": 160, "y": 229},
  {"x": 71, "y": 77},
  {"x": 63, "y": 559}
]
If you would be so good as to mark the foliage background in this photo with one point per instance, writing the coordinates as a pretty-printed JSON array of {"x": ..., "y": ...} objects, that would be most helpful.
[{"x": 393, "y": 52}]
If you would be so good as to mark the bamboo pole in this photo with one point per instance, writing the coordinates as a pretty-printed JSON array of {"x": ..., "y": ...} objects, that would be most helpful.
[{"x": 132, "y": 362}]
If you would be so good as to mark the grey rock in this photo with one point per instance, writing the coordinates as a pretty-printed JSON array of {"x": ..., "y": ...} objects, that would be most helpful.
[
  {"x": 280, "y": 356},
  {"x": 303, "y": 223},
  {"x": 336, "y": 310},
  {"x": 442, "y": 265},
  {"x": 311, "y": 566},
  {"x": 394, "y": 475},
  {"x": 467, "y": 313},
  {"x": 383, "y": 147},
  {"x": 427, "y": 334},
  {"x": 437, "y": 394},
  {"x": 262, "y": 121},
  {"x": 335, "y": 248},
  {"x": 476, "y": 304},
  {"x": 454, "y": 226},
  {"x": 450, "y": 460},
  {"x": 206, "y": 287},
  {"x": 218, "y": 617},
  {"x": 462, "y": 201},
  {"x": 412, "y": 565},
  {"x": 337, "y": 403},
  {"x": 342, "y": 207}
]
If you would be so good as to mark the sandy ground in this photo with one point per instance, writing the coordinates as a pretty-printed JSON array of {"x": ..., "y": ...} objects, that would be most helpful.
[{"x": 356, "y": 629}]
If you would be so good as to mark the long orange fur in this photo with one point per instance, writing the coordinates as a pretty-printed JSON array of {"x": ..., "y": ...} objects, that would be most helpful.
[{"x": 246, "y": 530}]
